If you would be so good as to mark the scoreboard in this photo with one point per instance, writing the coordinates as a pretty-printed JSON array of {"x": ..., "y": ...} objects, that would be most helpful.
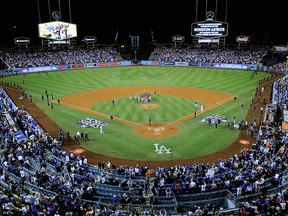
[
  {"x": 57, "y": 30},
  {"x": 209, "y": 29}
]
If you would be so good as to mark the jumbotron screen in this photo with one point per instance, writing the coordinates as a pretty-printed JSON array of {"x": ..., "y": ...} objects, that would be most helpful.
[
  {"x": 57, "y": 30},
  {"x": 209, "y": 29}
]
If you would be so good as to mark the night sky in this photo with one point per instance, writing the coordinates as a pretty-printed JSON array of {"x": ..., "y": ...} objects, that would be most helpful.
[{"x": 264, "y": 23}]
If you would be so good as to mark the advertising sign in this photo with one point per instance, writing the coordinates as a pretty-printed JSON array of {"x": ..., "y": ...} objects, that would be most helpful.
[
  {"x": 178, "y": 38},
  {"x": 22, "y": 40}
]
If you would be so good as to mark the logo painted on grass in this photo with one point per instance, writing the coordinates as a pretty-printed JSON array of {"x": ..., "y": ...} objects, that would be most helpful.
[
  {"x": 211, "y": 119},
  {"x": 91, "y": 123},
  {"x": 161, "y": 149}
]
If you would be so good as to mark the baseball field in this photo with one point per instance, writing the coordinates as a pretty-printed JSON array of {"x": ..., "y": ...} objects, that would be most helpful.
[{"x": 171, "y": 97}]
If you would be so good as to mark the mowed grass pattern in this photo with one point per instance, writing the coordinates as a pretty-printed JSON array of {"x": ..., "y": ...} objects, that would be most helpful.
[
  {"x": 131, "y": 109},
  {"x": 195, "y": 138}
]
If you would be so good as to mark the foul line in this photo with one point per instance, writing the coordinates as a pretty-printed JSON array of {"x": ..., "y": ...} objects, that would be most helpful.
[{"x": 189, "y": 116}]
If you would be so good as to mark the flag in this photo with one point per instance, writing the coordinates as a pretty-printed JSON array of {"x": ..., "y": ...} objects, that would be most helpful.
[{"x": 116, "y": 36}]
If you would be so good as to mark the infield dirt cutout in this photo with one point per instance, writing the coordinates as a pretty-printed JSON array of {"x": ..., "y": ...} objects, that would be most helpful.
[{"x": 84, "y": 101}]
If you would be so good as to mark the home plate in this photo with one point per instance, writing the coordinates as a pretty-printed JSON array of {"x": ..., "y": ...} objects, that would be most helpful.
[
  {"x": 244, "y": 142},
  {"x": 78, "y": 151}
]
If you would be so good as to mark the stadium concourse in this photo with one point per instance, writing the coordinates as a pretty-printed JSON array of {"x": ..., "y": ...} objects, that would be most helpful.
[{"x": 245, "y": 139}]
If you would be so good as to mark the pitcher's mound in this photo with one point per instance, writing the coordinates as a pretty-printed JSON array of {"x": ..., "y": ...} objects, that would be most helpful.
[
  {"x": 149, "y": 106},
  {"x": 156, "y": 130}
]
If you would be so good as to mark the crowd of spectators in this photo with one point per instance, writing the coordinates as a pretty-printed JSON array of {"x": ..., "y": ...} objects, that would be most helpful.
[
  {"x": 37, "y": 177},
  {"x": 280, "y": 67},
  {"x": 210, "y": 55},
  {"x": 279, "y": 95},
  {"x": 39, "y": 58},
  {"x": 217, "y": 55}
]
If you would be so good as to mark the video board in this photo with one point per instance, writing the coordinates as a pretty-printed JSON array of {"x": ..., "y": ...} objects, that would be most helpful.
[
  {"x": 57, "y": 30},
  {"x": 209, "y": 29}
]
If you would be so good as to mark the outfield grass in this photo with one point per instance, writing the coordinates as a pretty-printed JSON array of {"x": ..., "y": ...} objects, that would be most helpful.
[{"x": 195, "y": 138}]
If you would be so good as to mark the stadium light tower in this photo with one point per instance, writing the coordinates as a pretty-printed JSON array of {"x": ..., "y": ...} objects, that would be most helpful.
[
  {"x": 49, "y": 10},
  {"x": 215, "y": 9},
  {"x": 55, "y": 14},
  {"x": 200, "y": 33}
]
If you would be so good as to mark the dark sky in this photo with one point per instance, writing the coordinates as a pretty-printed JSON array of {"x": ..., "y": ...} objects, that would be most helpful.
[{"x": 264, "y": 23}]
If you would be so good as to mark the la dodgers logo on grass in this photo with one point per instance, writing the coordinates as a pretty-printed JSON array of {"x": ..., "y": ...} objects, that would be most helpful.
[{"x": 162, "y": 149}]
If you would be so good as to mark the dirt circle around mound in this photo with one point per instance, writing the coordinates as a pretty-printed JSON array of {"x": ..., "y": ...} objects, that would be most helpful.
[
  {"x": 157, "y": 130},
  {"x": 149, "y": 106}
]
